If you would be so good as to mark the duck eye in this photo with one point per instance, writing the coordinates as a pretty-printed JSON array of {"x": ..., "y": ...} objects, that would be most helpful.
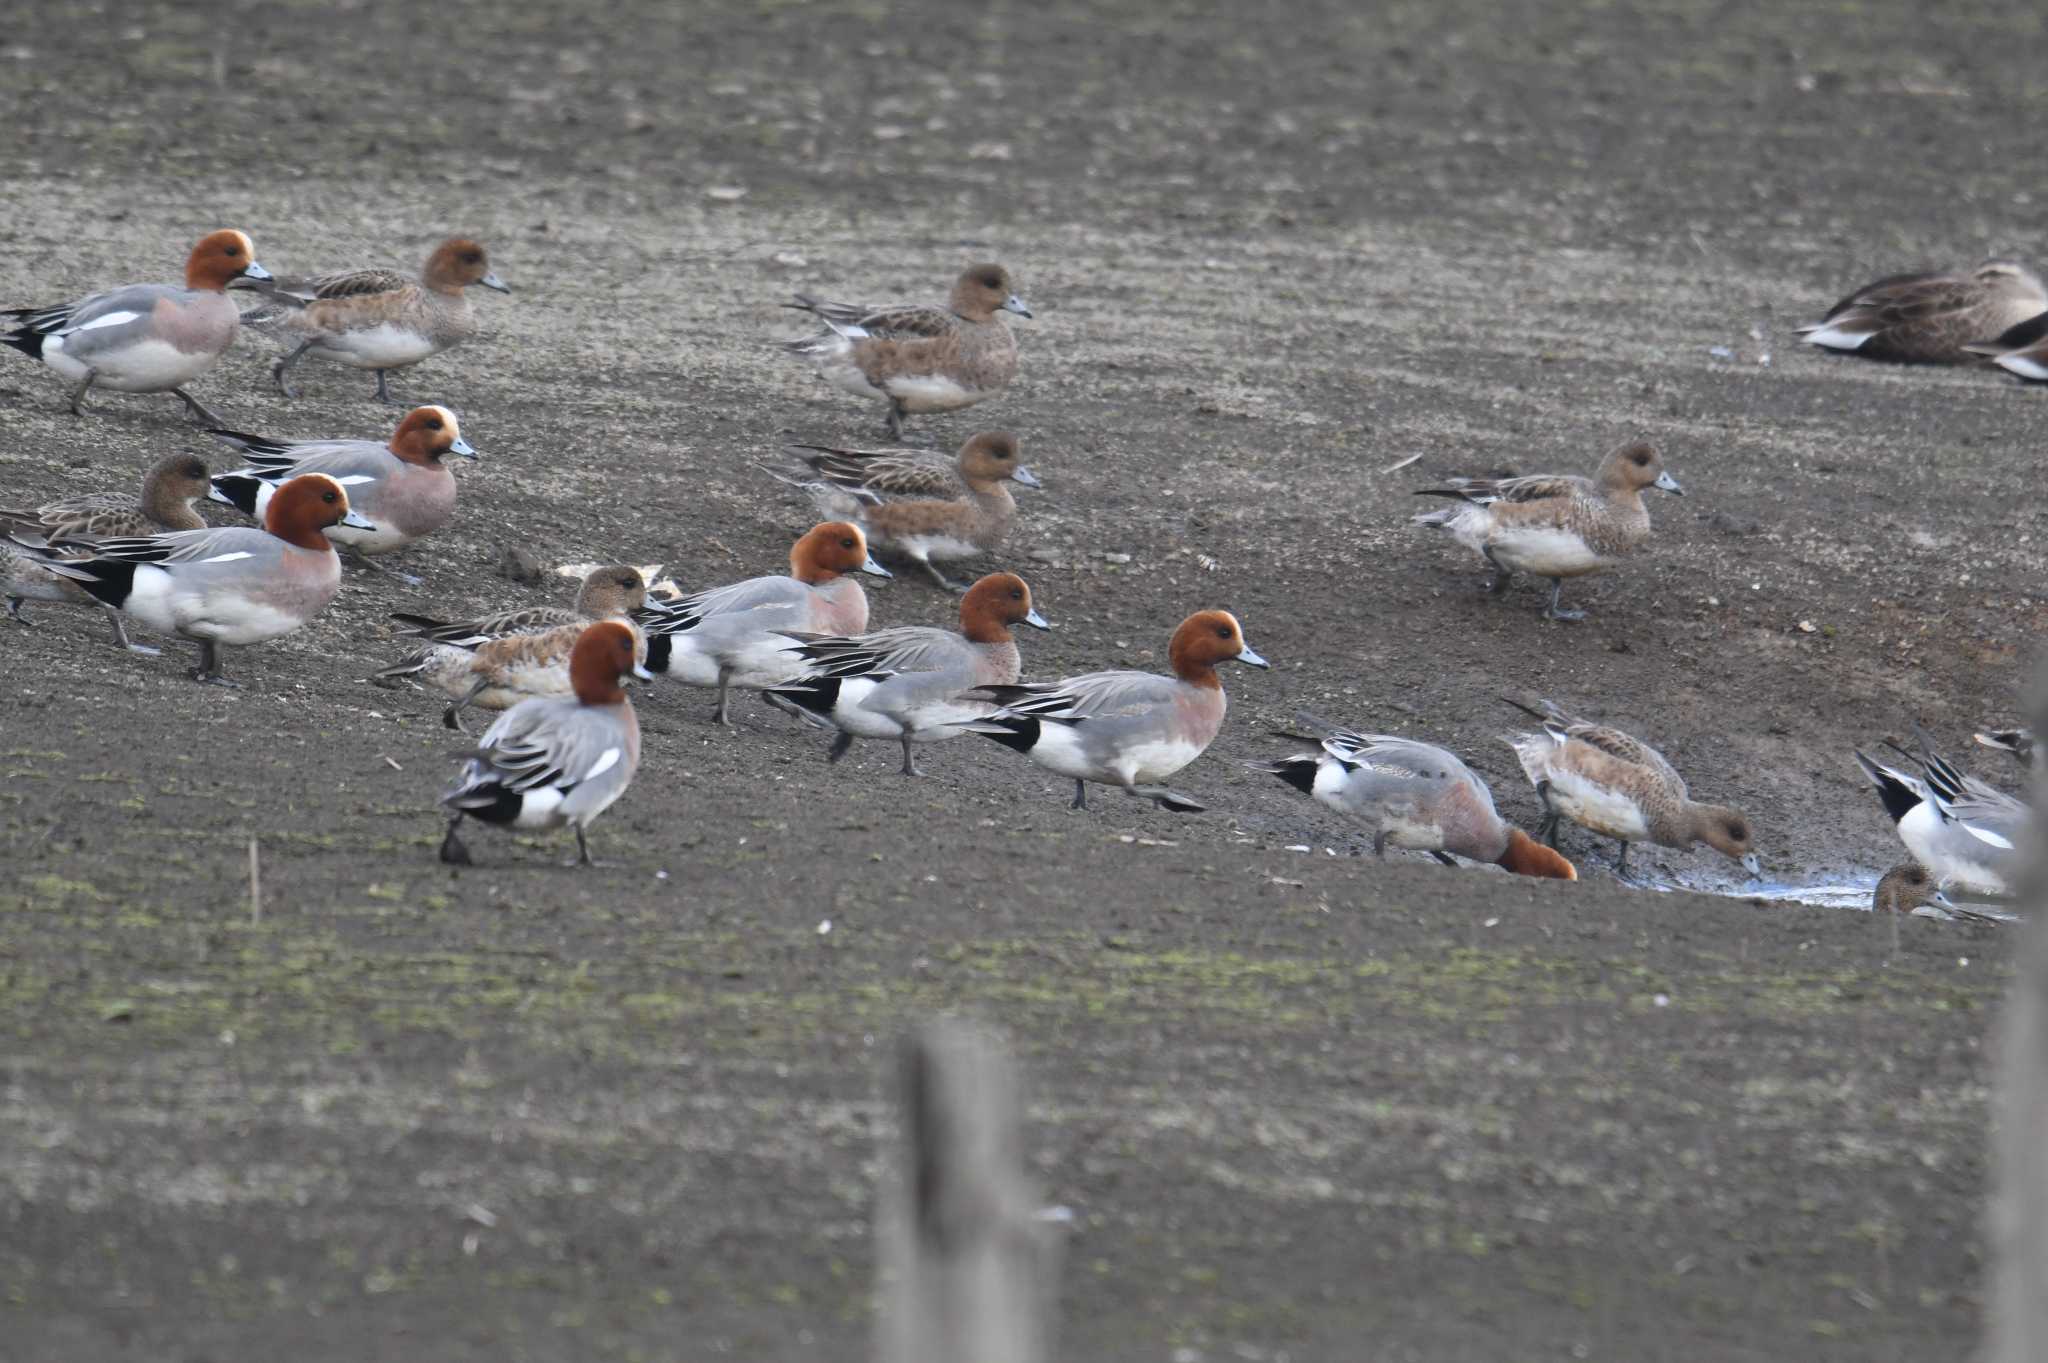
[
  {"x": 327, "y": 497},
  {"x": 846, "y": 544},
  {"x": 433, "y": 423},
  {"x": 1223, "y": 631}
]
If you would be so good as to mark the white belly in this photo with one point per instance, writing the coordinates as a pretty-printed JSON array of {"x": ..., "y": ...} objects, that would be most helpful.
[
  {"x": 1949, "y": 853},
  {"x": 939, "y": 547},
  {"x": 1145, "y": 763},
  {"x": 159, "y": 600},
  {"x": 931, "y": 393},
  {"x": 1834, "y": 338},
  {"x": 1404, "y": 829},
  {"x": 384, "y": 346},
  {"x": 144, "y": 366},
  {"x": 1596, "y": 807},
  {"x": 1545, "y": 551}
]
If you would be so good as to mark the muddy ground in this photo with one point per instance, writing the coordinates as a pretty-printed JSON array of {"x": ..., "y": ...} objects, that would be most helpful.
[{"x": 1303, "y": 1106}]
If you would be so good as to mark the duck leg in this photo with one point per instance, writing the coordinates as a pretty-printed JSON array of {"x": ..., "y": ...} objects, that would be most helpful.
[
  {"x": 1080, "y": 794},
  {"x": 957, "y": 588},
  {"x": 384, "y": 395},
  {"x": 363, "y": 560},
  {"x": 452, "y": 716},
  {"x": 198, "y": 410},
  {"x": 453, "y": 851},
  {"x": 895, "y": 420},
  {"x": 841, "y": 745},
  {"x": 1498, "y": 583},
  {"x": 280, "y": 369},
  {"x": 1445, "y": 857},
  {"x": 583, "y": 857},
  {"x": 1621, "y": 862},
  {"x": 78, "y": 393},
  {"x": 721, "y": 715},
  {"x": 121, "y": 637},
  {"x": 20, "y": 617},
  {"x": 1552, "y": 612},
  {"x": 909, "y": 761},
  {"x": 1167, "y": 798},
  {"x": 1379, "y": 843},
  {"x": 208, "y": 672}
]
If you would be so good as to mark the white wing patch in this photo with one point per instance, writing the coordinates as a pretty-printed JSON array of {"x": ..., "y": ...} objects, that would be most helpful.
[
  {"x": 2023, "y": 365},
  {"x": 1985, "y": 835},
  {"x": 229, "y": 557},
  {"x": 1836, "y": 337},
  {"x": 111, "y": 319},
  {"x": 605, "y": 762},
  {"x": 355, "y": 478}
]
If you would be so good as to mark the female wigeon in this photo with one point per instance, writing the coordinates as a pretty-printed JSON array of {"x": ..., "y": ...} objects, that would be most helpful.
[
  {"x": 1908, "y": 889},
  {"x": 922, "y": 509},
  {"x": 1554, "y": 525},
  {"x": 2021, "y": 349},
  {"x": 379, "y": 319},
  {"x": 548, "y": 761},
  {"x": 403, "y": 484},
  {"x": 737, "y": 635},
  {"x": 495, "y": 661},
  {"x": 919, "y": 357},
  {"x": 2019, "y": 742},
  {"x": 170, "y": 487},
  {"x": 1966, "y": 832},
  {"x": 906, "y": 683},
  {"x": 1622, "y": 788},
  {"x": 1929, "y": 318},
  {"x": 1414, "y": 795},
  {"x": 1126, "y": 729},
  {"x": 143, "y": 338},
  {"x": 231, "y": 585}
]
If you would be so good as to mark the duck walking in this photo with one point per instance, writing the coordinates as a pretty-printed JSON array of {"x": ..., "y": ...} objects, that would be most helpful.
[
  {"x": 926, "y": 510},
  {"x": 1132, "y": 730},
  {"x": 1554, "y": 525},
  {"x": 143, "y": 338},
  {"x": 547, "y": 762},
  {"x": 919, "y": 357},
  {"x": 1622, "y": 788},
  {"x": 378, "y": 319},
  {"x": 909, "y": 683},
  {"x": 230, "y": 585},
  {"x": 1413, "y": 795},
  {"x": 170, "y": 487}
]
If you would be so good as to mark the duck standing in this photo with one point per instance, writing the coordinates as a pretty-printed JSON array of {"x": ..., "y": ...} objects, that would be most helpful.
[
  {"x": 143, "y": 338},
  {"x": 1555, "y": 525},
  {"x": 547, "y": 761},
  {"x": 229, "y": 585},
  {"x": 1127, "y": 729}
]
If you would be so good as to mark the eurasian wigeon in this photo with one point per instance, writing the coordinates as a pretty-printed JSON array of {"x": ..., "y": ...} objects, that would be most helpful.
[
  {"x": 402, "y": 484},
  {"x": 907, "y": 683},
  {"x": 170, "y": 487},
  {"x": 1413, "y": 795},
  {"x": 1622, "y": 788},
  {"x": 1126, "y": 729},
  {"x": 1554, "y": 525},
  {"x": 379, "y": 319},
  {"x": 2021, "y": 349},
  {"x": 495, "y": 661},
  {"x": 143, "y": 338},
  {"x": 229, "y": 585},
  {"x": 2019, "y": 742},
  {"x": 926, "y": 510},
  {"x": 548, "y": 761},
  {"x": 1908, "y": 889},
  {"x": 1966, "y": 832},
  {"x": 1930, "y": 318},
  {"x": 919, "y": 357},
  {"x": 737, "y": 635}
]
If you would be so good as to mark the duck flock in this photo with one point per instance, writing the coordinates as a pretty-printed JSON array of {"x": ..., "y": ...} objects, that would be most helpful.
[{"x": 567, "y": 742}]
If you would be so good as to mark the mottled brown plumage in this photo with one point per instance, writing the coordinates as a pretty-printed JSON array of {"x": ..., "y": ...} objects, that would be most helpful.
[{"x": 1930, "y": 318}]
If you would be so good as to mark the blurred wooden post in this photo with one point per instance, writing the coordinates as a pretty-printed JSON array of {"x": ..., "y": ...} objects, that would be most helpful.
[
  {"x": 967, "y": 1267},
  {"x": 2018, "y": 1324}
]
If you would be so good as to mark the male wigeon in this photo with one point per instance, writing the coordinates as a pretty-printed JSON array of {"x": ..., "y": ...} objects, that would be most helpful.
[
  {"x": 497, "y": 660},
  {"x": 919, "y": 357},
  {"x": 2019, "y": 742},
  {"x": 402, "y": 484},
  {"x": 549, "y": 761},
  {"x": 1967, "y": 833},
  {"x": 1929, "y": 318},
  {"x": 1554, "y": 525},
  {"x": 2021, "y": 349},
  {"x": 170, "y": 487},
  {"x": 907, "y": 683},
  {"x": 926, "y": 510},
  {"x": 143, "y": 338},
  {"x": 1908, "y": 889},
  {"x": 230, "y": 585},
  {"x": 738, "y": 635},
  {"x": 379, "y": 319},
  {"x": 1622, "y": 788},
  {"x": 1126, "y": 729},
  {"x": 1413, "y": 795}
]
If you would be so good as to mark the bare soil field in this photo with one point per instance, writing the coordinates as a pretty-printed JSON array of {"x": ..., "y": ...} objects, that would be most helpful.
[{"x": 1303, "y": 1105}]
